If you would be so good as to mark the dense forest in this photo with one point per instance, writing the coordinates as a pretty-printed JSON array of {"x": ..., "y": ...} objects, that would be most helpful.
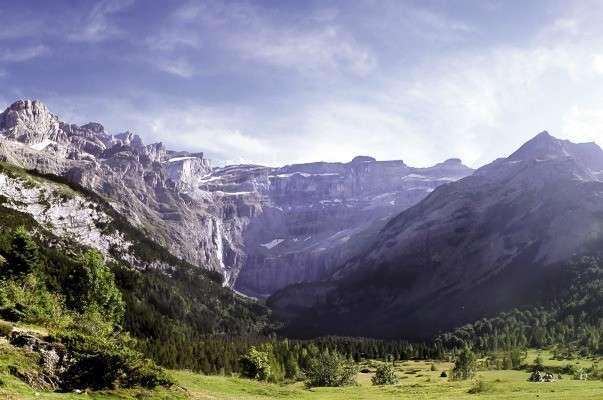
[{"x": 571, "y": 319}]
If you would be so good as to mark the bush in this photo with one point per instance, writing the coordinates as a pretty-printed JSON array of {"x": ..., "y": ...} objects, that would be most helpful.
[
  {"x": 538, "y": 363},
  {"x": 330, "y": 370},
  {"x": 291, "y": 367},
  {"x": 465, "y": 365},
  {"x": 23, "y": 256},
  {"x": 385, "y": 375},
  {"x": 106, "y": 361},
  {"x": 5, "y": 328},
  {"x": 255, "y": 364},
  {"x": 480, "y": 387},
  {"x": 516, "y": 357},
  {"x": 94, "y": 288},
  {"x": 27, "y": 300},
  {"x": 110, "y": 369}
]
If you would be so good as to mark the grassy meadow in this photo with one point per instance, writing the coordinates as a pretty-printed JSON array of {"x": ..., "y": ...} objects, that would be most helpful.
[{"x": 418, "y": 380}]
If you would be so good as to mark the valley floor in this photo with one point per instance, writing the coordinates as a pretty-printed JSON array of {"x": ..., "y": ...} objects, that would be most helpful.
[{"x": 417, "y": 381}]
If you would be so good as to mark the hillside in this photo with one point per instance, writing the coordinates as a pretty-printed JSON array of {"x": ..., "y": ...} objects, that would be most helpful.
[
  {"x": 169, "y": 304},
  {"x": 492, "y": 241}
]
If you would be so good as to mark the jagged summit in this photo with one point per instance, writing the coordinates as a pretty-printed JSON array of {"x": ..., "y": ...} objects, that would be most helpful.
[
  {"x": 544, "y": 146},
  {"x": 29, "y": 121}
]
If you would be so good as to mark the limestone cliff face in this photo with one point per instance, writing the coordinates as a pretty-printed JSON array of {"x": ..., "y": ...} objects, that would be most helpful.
[
  {"x": 262, "y": 228},
  {"x": 316, "y": 216}
]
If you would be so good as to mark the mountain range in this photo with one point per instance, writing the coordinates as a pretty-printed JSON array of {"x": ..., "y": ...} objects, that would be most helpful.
[
  {"x": 487, "y": 243},
  {"x": 261, "y": 228},
  {"x": 366, "y": 248}
]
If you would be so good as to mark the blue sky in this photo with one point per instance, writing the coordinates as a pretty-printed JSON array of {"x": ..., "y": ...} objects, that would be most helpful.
[{"x": 277, "y": 82}]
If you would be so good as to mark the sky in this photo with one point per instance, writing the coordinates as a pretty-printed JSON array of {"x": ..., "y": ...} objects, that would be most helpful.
[{"x": 281, "y": 82}]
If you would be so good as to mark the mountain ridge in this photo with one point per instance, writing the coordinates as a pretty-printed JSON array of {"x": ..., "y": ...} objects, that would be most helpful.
[
  {"x": 498, "y": 233},
  {"x": 257, "y": 226}
]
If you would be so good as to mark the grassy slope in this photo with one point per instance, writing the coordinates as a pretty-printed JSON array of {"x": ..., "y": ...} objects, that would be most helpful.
[{"x": 417, "y": 382}]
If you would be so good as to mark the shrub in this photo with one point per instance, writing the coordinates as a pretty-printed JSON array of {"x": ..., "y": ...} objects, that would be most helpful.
[
  {"x": 28, "y": 300},
  {"x": 465, "y": 364},
  {"x": 255, "y": 364},
  {"x": 5, "y": 328},
  {"x": 115, "y": 368},
  {"x": 107, "y": 360},
  {"x": 23, "y": 256},
  {"x": 538, "y": 362},
  {"x": 480, "y": 387},
  {"x": 516, "y": 357},
  {"x": 291, "y": 367},
  {"x": 95, "y": 289},
  {"x": 330, "y": 370},
  {"x": 385, "y": 375}
]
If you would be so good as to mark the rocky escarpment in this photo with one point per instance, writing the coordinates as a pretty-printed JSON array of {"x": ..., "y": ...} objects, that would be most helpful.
[
  {"x": 489, "y": 242},
  {"x": 262, "y": 228},
  {"x": 316, "y": 216},
  {"x": 142, "y": 182}
]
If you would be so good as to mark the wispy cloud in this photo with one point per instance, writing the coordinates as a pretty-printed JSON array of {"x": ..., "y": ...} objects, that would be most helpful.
[
  {"x": 15, "y": 55},
  {"x": 99, "y": 24},
  {"x": 176, "y": 66},
  {"x": 248, "y": 33}
]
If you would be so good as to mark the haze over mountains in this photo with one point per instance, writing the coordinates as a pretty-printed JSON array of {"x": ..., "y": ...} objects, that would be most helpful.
[
  {"x": 370, "y": 248},
  {"x": 262, "y": 228},
  {"x": 489, "y": 242}
]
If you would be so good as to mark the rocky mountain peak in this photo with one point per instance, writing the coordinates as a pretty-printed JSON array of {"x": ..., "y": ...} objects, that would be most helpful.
[
  {"x": 546, "y": 147},
  {"x": 94, "y": 127},
  {"x": 541, "y": 146},
  {"x": 29, "y": 121}
]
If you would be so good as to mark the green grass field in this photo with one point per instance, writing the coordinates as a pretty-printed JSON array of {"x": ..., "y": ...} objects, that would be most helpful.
[{"x": 417, "y": 381}]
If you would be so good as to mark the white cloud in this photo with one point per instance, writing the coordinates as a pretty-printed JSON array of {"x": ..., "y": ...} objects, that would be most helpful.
[
  {"x": 313, "y": 51},
  {"x": 250, "y": 33},
  {"x": 16, "y": 55},
  {"x": 598, "y": 63},
  {"x": 177, "y": 66},
  {"x": 99, "y": 24},
  {"x": 583, "y": 124},
  {"x": 212, "y": 131}
]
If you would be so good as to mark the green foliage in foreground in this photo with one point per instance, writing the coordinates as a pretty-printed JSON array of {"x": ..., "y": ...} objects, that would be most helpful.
[
  {"x": 465, "y": 364},
  {"x": 385, "y": 375},
  {"x": 255, "y": 364},
  {"x": 75, "y": 297},
  {"x": 330, "y": 369},
  {"x": 182, "y": 316}
]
